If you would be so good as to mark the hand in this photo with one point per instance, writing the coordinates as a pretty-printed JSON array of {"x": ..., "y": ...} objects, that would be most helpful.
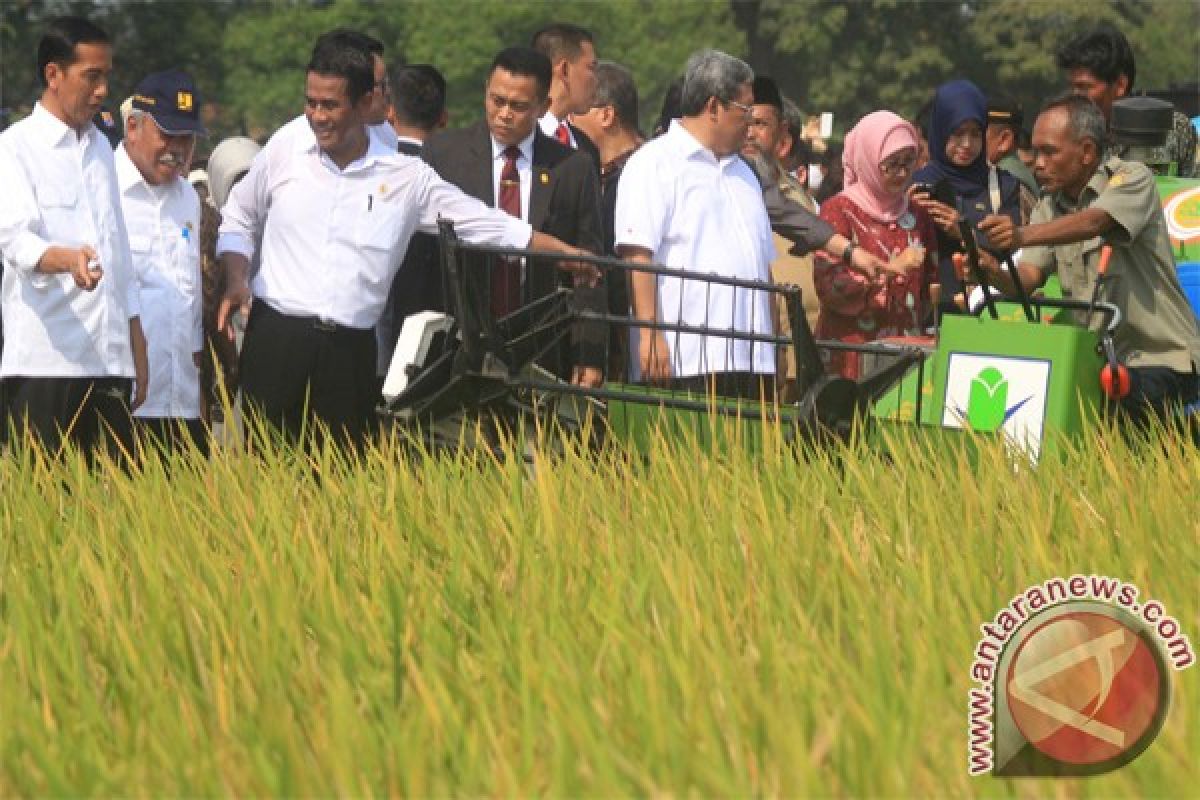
[
  {"x": 868, "y": 263},
  {"x": 586, "y": 274},
  {"x": 86, "y": 269},
  {"x": 943, "y": 215},
  {"x": 236, "y": 298},
  {"x": 587, "y": 377},
  {"x": 141, "y": 363},
  {"x": 654, "y": 357},
  {"x": 1002, "y": 232},
  {"x": 911, "y": 258}
]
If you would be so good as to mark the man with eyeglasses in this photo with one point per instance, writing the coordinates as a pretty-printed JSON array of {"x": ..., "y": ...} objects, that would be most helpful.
[
  {"x": 688, "y": 200},
  {"x": 509, "y": 163}
]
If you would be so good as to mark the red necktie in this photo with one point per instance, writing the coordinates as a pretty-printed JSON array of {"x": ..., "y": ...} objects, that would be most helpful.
[
  {"x": 506, "y": 278},
  {"x": 562, "y": 134}
]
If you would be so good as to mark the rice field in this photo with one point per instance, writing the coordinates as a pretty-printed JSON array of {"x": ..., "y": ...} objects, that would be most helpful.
[{"x": 690, "y": 624}]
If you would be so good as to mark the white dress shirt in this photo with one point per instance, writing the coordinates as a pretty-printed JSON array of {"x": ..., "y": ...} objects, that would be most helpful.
[
  {"x": 164, "y": 239},
  {"x": 550, "y": 123},
  {"x": 524, "y": 171},
  {"x": 333, "y": 239},
  {"x": 59, "y": 188},
  {"x": 694, "y": 211}
]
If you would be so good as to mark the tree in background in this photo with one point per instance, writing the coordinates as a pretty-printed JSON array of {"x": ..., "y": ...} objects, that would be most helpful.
[{"x": 248, "y": 56}]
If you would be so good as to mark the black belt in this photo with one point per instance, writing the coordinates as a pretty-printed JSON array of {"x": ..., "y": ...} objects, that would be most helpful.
[{"x": 322, "y": 324}]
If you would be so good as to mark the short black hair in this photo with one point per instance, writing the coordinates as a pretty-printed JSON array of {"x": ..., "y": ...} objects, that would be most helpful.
[
  {"x": 1103, "y": 51},
  {"x": 561, "y": 40},
  {"x": 418, "y": 95},
  {"x": 525, "y": 61},
  {"x": 615, "y": 87},
  {"x": 670, "y": 107},
  {"x": 346, "y": 54},
  {"x": 57, "y": 44}
]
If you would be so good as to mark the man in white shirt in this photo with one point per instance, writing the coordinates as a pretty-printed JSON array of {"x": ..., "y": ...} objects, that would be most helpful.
[
  {"x": 162, "y": 214},
  {"x": 73, "y": 338},
  {"x": 572, "y": 53},
  {"x": 687, "y": 200},
  {"x": 335, "y": 209}
]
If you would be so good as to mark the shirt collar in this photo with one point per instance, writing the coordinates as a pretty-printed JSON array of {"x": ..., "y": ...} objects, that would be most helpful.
[
  {"x": 549, "y": 123},
  {"x": 688, "y": 146},
  {"x": 1095, "y": 185},
  {"x": 525, "y": 146},
  {"x": 55, "y": 130},
  {"x": 306, "y": 142},
  {"x": 130, "y": 177}
]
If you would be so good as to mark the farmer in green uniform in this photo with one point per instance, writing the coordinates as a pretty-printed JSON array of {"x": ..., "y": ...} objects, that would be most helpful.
[{"x": 1091, "y": 201}]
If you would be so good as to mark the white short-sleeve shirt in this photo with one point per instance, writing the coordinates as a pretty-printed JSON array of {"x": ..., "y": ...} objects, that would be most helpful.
[
  {"x": 59, "y": 188},
  {"x": 164, "y": 240},
  {"x": 696, "y": 212}
]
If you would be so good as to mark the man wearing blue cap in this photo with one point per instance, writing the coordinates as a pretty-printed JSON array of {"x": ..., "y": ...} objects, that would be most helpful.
[
  {"x": 162, "y": 214},
  {"x": 73, "y": 337}
]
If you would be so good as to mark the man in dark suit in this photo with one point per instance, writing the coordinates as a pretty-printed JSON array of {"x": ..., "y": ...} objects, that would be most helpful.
[
  {"x": 572, "y": 53},
  {"x": 507, "y": 162},
  {"x": 418, "y": 108}
]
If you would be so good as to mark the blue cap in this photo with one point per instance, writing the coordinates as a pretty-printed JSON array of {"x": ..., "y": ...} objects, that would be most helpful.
[{"x": 171, "y": 98}]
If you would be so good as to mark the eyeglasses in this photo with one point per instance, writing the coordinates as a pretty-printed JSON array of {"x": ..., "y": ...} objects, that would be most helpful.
[
  {"x": 747, "y": 110},
  {"x": 891, "y": 168}
]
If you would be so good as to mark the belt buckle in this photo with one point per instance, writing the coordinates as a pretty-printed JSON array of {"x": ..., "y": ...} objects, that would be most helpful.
[{"x": 324, "y": 325}]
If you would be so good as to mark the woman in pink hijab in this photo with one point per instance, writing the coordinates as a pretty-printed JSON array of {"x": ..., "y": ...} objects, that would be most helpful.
[{"x": 873, "y": 212}]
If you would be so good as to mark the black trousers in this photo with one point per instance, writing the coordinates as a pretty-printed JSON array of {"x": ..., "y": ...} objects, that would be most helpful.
[
  {"x": 172, "y": 434},
  {"x": 1156, "y": 393},
  {"x": 741, "y": 385},
  {"x": 296, "y": 371},
  {"x": 90, "y": 413}
]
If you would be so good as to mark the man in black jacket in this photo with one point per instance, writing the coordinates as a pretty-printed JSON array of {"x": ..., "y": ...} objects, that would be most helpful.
[{"x": 507, "y": 162}]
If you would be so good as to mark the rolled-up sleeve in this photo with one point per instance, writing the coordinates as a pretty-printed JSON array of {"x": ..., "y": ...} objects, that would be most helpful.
[
  {"x": 1038, "y": 256},
  {"x": 242, "y": 214},
  {"x": 20, "y": 219},
  {"x": 474, "y": 221}
]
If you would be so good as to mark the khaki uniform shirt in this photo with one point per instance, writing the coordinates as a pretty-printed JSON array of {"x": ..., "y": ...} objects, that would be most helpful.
[
  {"x": 1158, "y": 327},
  {"x": 797, "y": 270}
]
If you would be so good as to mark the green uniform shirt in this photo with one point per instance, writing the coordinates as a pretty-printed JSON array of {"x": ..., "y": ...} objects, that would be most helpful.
[{"x": 1158, "y": 327}]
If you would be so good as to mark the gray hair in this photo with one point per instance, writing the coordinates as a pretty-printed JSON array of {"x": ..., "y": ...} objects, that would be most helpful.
[
  {"x": 1084, "y": 118},
  {"x": 615, "y": 87},
  {"x": 711, "y": 73}
]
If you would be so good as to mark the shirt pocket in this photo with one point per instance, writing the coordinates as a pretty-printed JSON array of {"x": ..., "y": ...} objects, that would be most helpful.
[
  {"x": 187, "y": 264},
  {"x": 58, "y": 204},
  {"x": 141, "y": 249}
]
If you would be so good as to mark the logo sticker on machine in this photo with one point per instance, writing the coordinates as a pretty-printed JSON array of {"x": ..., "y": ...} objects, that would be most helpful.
[{"x": 997, "y": 393}]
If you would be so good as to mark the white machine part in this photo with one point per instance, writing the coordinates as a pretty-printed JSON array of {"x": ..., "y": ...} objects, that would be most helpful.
[{"x": 412, "y": 349}]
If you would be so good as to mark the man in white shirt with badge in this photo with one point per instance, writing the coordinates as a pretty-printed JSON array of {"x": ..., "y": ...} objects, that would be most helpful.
[
  {"x": 73, "y": 338},
  {"x": 687, "y": 200},
  {"x": 162, "y": 214},
  {"x": 336, "y": 209}
]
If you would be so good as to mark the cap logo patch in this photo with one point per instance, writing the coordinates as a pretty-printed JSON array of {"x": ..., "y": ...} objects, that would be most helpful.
[{"x": 183, "y": 101}]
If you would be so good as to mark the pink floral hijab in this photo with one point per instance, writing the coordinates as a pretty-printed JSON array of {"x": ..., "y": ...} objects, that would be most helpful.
[{"x": 868, "y": 144}]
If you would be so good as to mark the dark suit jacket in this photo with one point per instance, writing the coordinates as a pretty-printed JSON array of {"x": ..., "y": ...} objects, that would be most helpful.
[
  {"x": 586, "y": 145},
  {"x": 564, "y": 201}
]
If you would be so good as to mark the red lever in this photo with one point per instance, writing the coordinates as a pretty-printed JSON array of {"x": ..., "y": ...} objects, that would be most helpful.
[{"x": 1105, "y": 255}]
